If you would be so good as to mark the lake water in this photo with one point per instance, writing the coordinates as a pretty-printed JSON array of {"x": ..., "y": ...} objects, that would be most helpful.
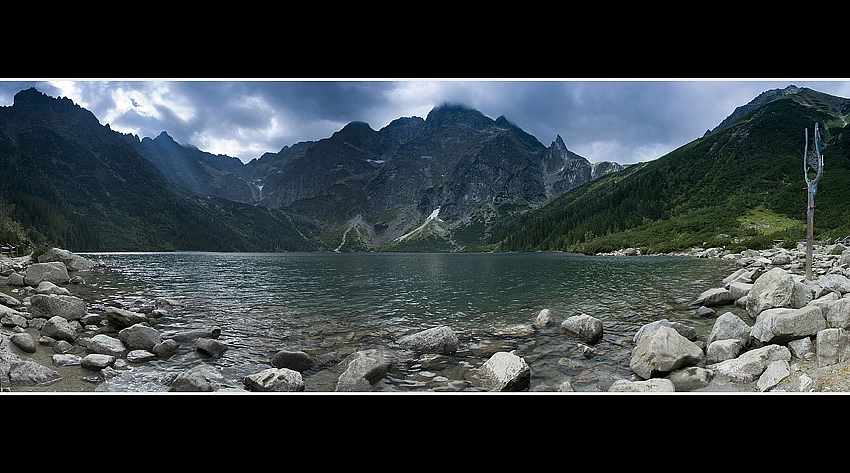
[{"x": 331, "y": 304}]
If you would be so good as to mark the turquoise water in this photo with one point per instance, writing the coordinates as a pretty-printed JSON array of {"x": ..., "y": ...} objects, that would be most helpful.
[{"x": 330, "y": 304}]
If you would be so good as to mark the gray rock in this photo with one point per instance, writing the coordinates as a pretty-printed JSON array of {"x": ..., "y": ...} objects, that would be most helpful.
[
  {"x": 504, "y": 371},
  {"x": 165, "y": 348},
  {"x": 649, "y": 385},
  {"x": 801, "y": 348},
  {"x": 544, "y": 319},
  {"x": 48, "y": 305},
  {"x": 62, "y": 346},
  {"x": 66, "y": 359},
  {"x": 832, "y": 346},
  {"x": 275, "y": 380},
  {"x": 583, "y": 326},
  {"x": 104, "y": 344},
  {"x": 684, "y": 330},
  {"x": 192, "y": 335},
  {"x": 363, "y": 369},
  {"x": 751, "y": 364},
  {"x": 55, "y": 272},
  {"x": 664, "y": 350},
  {"x": 16, "y": 279},
  {"x": 783, "y": 325},
  {"x": 8, "y": 300},
  {"x": 140, "y": 356},
  {"x": 198, "y": 379},
  {"x": 826, "y": 301},
  {"x": 97, "y": 361},
  {"x": 838, "y": 314},
  {"x": 124, "y": 318},
  {"x": 211, "y": 347},
  {"x": 835, "y": 282},
  {"x": 140, "y": 337},
  {"x": 689, "y": 379},
  {"x": 59, "y": 328},
  {"x": 30, "y": 373},
  {"x": 440, "y": 340},
  {"x": 739, "y": 289},
  {"x": 775, "y": 372},
  {"x": 729, "y": 326},
  {"x": 703, "y": 312},
  {"x": 294, "y": 360},
  {"x": 24, "y": 341},
  {"x": 71, "y": 261},
  {"x": 13, "y": 318},
  {"x": 722, "y": 350},
  {"x": 714, "y": 297},
  {"x": 772, "y": 289},
  {"x": 47, "y": 287}
]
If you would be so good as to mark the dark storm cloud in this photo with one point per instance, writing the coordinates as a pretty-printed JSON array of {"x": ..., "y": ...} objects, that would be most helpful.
[{"x": 603, "y": 120}]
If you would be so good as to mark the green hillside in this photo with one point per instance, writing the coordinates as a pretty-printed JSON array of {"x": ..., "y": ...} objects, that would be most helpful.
[{"x": 708, "y": 192}]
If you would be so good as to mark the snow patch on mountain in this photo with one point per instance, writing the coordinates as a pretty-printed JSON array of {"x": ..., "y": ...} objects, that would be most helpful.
[{"x": 433, "y": 216}]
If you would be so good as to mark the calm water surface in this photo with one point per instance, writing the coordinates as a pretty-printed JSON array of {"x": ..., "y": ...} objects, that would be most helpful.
[{"x": 331, "y": 304}]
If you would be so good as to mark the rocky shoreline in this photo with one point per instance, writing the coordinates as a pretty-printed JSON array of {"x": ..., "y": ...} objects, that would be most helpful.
[{"x": 793, "y": 338}]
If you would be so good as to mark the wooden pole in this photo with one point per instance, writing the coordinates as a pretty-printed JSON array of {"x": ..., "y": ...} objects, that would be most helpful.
[
  {"x": 810, "y": 233},
  {"x": 811, "y": 186}
]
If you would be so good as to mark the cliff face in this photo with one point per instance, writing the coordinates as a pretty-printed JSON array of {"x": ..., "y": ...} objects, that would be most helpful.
[{"x": 388, "y": 182}]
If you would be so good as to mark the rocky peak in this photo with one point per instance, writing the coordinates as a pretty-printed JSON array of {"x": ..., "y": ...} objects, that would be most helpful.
[
  {"x": 456, "y": 115},
  {"x": 62, "y": 112}
]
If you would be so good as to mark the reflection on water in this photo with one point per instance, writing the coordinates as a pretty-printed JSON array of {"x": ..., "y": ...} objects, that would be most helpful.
[{"x": 331, "y": 304}]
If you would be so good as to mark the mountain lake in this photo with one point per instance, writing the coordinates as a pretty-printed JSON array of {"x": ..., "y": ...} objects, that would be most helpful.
[{"x": 332, "y": 304}]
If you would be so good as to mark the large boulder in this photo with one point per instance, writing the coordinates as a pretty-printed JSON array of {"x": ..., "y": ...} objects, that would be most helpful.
[
  {"x": 47, "y": 287},
  {"x": 274, "y": 380},
  {"x": 775, "y": 372},
  {"x": 751, "y": 364},
  {"x": 48, "y": 305},
  {"x": 691, "y": 378},
  {"x": 721, "y": 350},
  {"x": 211, "y": 347},
  {"x": 544, "y": 319},
  {"x": 833, "y": 346},
  {"x": 71, "y": 261},
  {"x": 59, "y": 328},
  {"x": 140, "y": 337},
  {"x": 55, "y": 272},
  {"x": 29, "y": 373},
  {"x": 294, "y": 360},
  {"x": 714, "y": 297},
  {"x": 363, "y": 369},
  {"x": 662, "y": 351},
  {"x": 201, "y": 378},
  {"x": 776, "y": 288},
  {"x": 124, "y": 318},
  {"x": 782, "y": 325},
  {"x": 583, "y": 326},
  {"x": 440, "y": 340},
  {"x": 106, "y": 345},
  {"x": 684, "y": 330},
  {"x": 835, "y": 282},
  {"x": 504, "y": 371},
  {"x": 838, "y": 314},
  {"x": 729, "y": 326}
]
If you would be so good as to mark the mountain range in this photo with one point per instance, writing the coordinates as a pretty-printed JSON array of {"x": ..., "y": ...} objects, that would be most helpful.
[{"x": 453, "y": 181}]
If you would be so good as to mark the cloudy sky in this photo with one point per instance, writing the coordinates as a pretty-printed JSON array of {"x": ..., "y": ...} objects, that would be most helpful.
[{"x": 621, "y": 120}]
